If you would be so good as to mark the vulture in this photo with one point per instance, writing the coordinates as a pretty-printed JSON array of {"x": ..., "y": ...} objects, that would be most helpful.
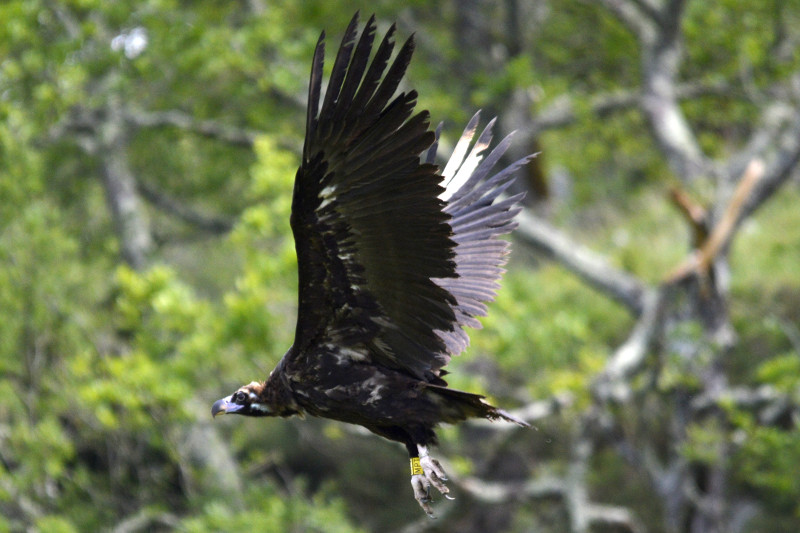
[{"x": 395, "y": 258}]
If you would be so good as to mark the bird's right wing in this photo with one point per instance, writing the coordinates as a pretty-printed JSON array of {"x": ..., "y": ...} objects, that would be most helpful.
[
  {"x": 370, "y": 231},
  {"x": 480, "y": 215}
]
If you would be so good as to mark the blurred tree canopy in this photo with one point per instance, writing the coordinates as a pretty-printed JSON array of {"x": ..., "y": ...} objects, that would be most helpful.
[{"x": 649, "y": 325}]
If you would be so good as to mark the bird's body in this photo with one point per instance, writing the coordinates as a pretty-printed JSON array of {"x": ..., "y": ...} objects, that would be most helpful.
[
  {"x": 394, "y": 259},
  {"x": 383, "y": 400}
]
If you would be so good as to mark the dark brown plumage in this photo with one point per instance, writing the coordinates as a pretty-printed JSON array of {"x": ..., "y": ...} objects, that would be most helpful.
[{"x": 394, "y": 260}]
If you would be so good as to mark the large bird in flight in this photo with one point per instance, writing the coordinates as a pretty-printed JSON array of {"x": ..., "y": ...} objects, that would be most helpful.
[{"x": 394, "y": 259}]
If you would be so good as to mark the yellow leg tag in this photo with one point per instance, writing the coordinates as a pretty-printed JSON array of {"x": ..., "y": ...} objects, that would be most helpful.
[{"x": 416, "y": 468}]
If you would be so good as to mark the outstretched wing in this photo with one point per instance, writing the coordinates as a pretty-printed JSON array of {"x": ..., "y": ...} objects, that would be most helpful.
[
  {"x": 370, "y": 228},
  {"x": 479, "y": 216}
]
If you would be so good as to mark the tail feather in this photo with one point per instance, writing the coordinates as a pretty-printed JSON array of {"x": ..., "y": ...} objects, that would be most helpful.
[
  {"x": 508, "y": 417},
  {"x": 470, "y": 405}
]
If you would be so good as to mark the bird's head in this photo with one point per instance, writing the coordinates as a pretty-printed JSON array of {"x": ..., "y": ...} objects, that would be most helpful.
[{"x": 247, "y": 400}]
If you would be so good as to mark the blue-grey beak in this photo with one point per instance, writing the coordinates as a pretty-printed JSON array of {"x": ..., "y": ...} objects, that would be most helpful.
[{"x": 224, "y": 406}]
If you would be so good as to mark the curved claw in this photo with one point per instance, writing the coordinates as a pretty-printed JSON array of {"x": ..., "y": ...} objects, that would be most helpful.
[
  {"x": 422, "y": 493},
  {"x": 432, "y": 475}
]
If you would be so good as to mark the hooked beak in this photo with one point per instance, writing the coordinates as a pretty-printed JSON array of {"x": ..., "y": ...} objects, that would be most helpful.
[{"x": 224, "y": 406}]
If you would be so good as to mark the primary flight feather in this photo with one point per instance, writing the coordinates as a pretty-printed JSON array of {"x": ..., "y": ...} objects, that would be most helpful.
[{"x": 394, "y": 259}]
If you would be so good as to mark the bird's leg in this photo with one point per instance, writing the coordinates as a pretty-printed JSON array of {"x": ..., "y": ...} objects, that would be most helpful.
[{"x": 426, "y": 471}]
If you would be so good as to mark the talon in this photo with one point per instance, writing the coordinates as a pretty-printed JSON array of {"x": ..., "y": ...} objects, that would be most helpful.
[
  {"x": 427, "y": 498},
  {"x": 427, "y": 471},
  {"x": 422, "y": 493},
  {"x": 434, "y": 473}
]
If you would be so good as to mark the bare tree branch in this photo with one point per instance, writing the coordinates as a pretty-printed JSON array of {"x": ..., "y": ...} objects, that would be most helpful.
[
  {"x": 590, "y": 266},
  {"x": 723, "y": 231},
  {"x": 130, "y": 219},
  {"x": 694, "y": 213},
  {"x": 774, "y": 119},
  {"x": 694, "y": 498},
  {"x": 779, "y": 166},
  {"x": 769, "y": 406},
  {"x": 570, "y": 489},
  {"x": 207, "y": 128},
  {"x": 23, "y": 505},
  {"x": 199, "y": 444},
  {"x": 67, "y": 19},
  {"x": 561, "y": 112},
  {"x": 147, "y": 519},
  {"x": 614, "y": 515},
  {"x": 612, "y": 384},
  {"x": 212, "y": 224},
  {"x": 576, "y": 495},
  {"x": 658, "y": 30},
  {"x": 500, "y": 492},
  {"x": 212, "y": 129},
  {"x": 669, "y": 126},
  {"x": 638, "y": 15}
]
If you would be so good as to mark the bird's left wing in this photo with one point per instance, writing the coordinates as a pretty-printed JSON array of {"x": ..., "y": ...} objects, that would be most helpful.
[{"x": 370, "y": 231}]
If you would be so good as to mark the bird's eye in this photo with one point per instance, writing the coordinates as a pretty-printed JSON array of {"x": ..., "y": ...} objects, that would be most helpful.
[{"x": 239, "y": 397}]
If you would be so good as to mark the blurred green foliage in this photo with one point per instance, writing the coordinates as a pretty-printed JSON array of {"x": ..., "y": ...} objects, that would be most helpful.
[{"x": 108, "y": 373}]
